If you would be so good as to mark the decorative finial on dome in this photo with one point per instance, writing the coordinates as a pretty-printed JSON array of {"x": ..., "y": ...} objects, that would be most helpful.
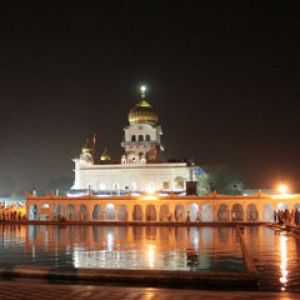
[{"x": 143, "y": 89}]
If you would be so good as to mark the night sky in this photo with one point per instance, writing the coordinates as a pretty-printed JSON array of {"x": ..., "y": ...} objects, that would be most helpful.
[{"x": 224, "y": 80}]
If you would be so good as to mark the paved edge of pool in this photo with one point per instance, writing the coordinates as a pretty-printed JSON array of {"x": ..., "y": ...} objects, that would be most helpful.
[{"x": 207, "y": 279}]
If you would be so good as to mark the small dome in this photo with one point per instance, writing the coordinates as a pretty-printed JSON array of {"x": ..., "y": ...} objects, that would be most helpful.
[
  {"x": 86, "y": 149},
  {"x": 105, "y": 155},
  {"x": 142, "y": 112}
]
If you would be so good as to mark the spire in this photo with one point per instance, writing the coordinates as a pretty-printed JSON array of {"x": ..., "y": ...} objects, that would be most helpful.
[{"x": 143, "y": 89}]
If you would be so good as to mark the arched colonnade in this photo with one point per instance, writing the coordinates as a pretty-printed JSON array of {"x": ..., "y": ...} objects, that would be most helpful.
[{"x": 163, "y": 210}]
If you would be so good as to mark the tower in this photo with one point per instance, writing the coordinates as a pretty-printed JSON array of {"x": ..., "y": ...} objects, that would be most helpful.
[{"x": 142, "y": 138}]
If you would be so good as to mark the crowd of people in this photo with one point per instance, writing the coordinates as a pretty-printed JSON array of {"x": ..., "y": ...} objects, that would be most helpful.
[
  {"x": 14, "y": 211},
  {"x": 287, "y": 217}
]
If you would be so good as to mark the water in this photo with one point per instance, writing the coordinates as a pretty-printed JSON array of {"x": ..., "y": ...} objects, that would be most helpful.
[
  {"x": 122, "y": 247},
  {"x": 276, "y": 256}
]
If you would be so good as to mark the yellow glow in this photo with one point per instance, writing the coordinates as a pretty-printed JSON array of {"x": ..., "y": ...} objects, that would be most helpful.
[
  {"x": 150, "y": 197},
  {"x": 150, "y": 188},
  {"x": 282, "y": 188},
  {"x": 284, "y": 258}
]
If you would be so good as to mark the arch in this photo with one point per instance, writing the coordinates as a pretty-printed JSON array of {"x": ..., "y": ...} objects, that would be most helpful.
[
  {"x": 137, "y": 214},
  {"x": 141, "y": 138},
  {"x": 97, "y": 212},
  {"x": 281, "y": 206},
  {"x": 207, "y": 213},
  {"x": 252, "y": 213},
  {"x": 110, "y": 212},
  {"x": 179, "y": 213},
  {"x": 123, "y": 215},
  {"x": 268, "y": 214},
  {"x": 297, "y": 206},
  {"x": 150, "y": 213},
  {"x": 70, "y": 212},
  {"x": 164, "y": 213},
  {"x": 194, "y": 212},
  {"x": 83, "y": 213},
  {"x": 58, "y": 212},
  {"x": 44, "y": 211},
  {"x": 147, "y": 137},
  {"x": 237, "y": 212},
  {"x": 33, "y": 212},
  {"x": 223, "y": 213},
  {"x": 133, "y": 138}
]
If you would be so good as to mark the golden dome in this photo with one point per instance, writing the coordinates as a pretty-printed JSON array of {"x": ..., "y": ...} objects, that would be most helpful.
[
  {"x": 142, "y": 112},
  {"x": 105, "y": 155},
  {"x": 86, "y": 149}
]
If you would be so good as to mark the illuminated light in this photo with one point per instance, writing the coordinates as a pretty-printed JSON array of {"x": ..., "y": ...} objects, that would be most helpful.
[
  {"x": 110, "y": 241},
  {"x": 76, "y": 195},
  {"x": 150, "y": 197},
  {"x": 135, "y": 194},
  {"x": 163, "y": 195},
  {"x": 284, "y": 258},
  {"x": 110, "y": 206},
  {"x": 282, "y": 188},
  {"x": 143, "y": 89},
  {"x": 150, "y": 188},
  {"x": 150, "y": 255}
]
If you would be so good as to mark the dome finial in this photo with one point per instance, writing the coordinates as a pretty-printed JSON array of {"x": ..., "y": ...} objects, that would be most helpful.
[{"x": 143, "y": 89}]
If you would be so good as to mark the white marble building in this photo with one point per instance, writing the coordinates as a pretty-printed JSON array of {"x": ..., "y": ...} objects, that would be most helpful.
[{"x": 140, "y": 168}]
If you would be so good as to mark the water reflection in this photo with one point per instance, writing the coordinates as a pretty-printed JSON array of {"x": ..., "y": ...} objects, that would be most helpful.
[
  {"x": 150, "y": 253},
  {"x": 283, "y": 264},
  {"x": 138, "y": 247},
  {"x": 276, "y": 257}
]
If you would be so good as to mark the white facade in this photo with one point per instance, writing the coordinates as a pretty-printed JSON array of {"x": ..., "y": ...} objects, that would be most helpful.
[{"x": 156, "y": 177}]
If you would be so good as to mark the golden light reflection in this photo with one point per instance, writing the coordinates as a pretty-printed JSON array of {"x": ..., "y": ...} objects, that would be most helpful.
[
  {"x": 151, "y": 255},
  {"x": 283, "y": 257},
  {"x": 110, "y": 241}
]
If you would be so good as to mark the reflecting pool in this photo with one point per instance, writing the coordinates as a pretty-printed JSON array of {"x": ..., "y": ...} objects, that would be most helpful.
[
  {"x": 122, "y": 247},
  {"x": 276, "y": 255}
]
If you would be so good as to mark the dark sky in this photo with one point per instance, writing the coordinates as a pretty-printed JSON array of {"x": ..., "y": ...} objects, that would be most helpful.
[{"x": 224, "y": 80}]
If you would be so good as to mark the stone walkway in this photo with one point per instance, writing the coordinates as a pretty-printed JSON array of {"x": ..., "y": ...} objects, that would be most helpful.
[{"x": 24, "y": 290}]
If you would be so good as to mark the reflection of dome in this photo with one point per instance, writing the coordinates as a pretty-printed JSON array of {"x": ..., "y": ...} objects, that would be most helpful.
[
  {"x": 142, "y": 112},
  {"x": 105, "y": 155}
]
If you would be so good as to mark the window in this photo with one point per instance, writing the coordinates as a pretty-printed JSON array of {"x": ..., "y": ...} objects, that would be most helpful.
[
  {"x": 133, "y": 138},
  {"x": 102, "y": 186},
  {"x": 166, "y": 185},
  {"x": 148, "y": 138},
  {"x": 141, "y": 138}
]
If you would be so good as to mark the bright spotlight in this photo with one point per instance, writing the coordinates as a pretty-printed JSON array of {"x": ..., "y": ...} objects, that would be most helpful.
[{"x": 282, "y": 188}]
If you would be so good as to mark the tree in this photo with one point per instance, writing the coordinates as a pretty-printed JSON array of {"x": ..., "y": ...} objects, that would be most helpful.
[
  {"x": 224, "y": 180},
  {"x": 202, "y": 177},
  {"x": 59, "y": 185}
]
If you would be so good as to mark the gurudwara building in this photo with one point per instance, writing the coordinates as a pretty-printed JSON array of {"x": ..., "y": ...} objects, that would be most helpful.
[
  {"x": 140, "y": 168},
  {"x": 142, "y": 187}
]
